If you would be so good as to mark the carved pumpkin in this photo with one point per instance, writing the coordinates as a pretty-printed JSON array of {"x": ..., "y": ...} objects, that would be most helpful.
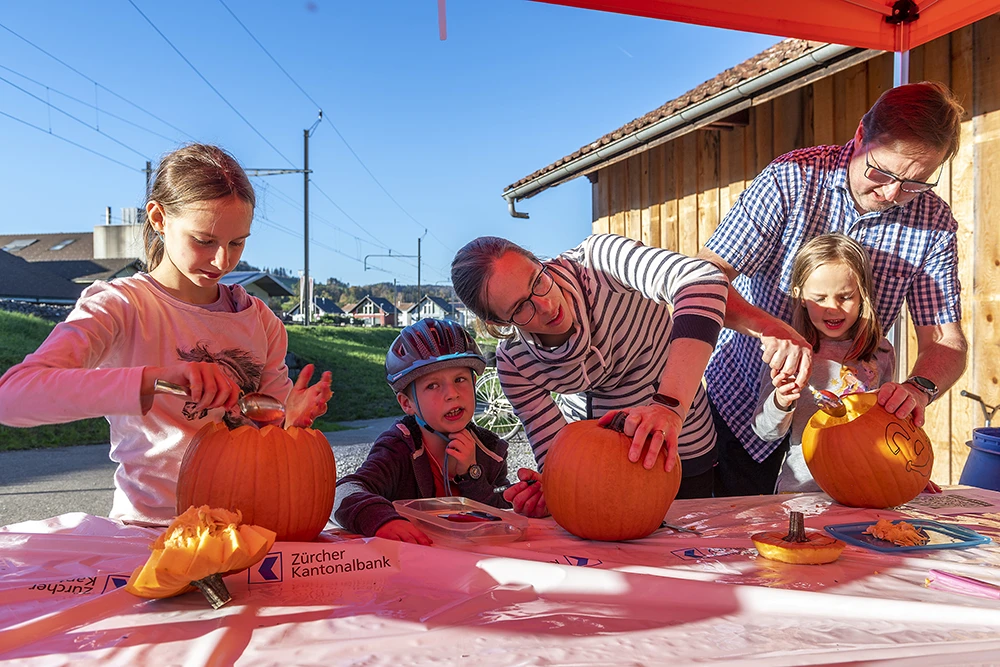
[
  {"x": 197, "y": 548},
  {"x": 867, "y": 457},
  {"x": 281, "y": 479},
  {"x": 596, "y": 493},
  {"x": 799, "y": 546}
]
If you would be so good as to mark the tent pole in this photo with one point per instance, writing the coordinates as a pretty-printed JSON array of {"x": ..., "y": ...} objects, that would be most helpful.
[{"x": 898, "y": 335}]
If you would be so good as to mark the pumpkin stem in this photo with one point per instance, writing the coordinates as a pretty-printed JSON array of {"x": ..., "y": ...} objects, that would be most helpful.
[
  {"x": 796, "y": 528},
  {"x": 618, "y": 422},
  {"x": 214, "y": 590}
]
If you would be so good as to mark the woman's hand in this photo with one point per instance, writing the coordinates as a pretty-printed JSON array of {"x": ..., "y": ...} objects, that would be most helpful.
[
  {"x": 210, "y": 386},
  {"x": 656, "y": 422},
  {"x": 461, "y": 447},
  {"x": 402, "y": 530},
  {"x": 527, "y": 499},
  {"x": 305, "y": 404},
  {"x": 903, "y": 400}
]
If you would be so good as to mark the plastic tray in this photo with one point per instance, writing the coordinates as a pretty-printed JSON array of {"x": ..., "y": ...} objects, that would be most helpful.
[
  {"x": 426, "y": 513},
  {"x": 942, "y": 536}
]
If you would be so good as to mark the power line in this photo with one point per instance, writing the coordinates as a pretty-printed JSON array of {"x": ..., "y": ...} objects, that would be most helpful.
[
  {"x": 88, "y": 104},
  {"x": 69, "y": 141},
  {"x": 209, "y": 84},
  {"x": 96, "y": 83},
  {"x": 335, "y": 129},
  {"x": 79, "y": 120}
]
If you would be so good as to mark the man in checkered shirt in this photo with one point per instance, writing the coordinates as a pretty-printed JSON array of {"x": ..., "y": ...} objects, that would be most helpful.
[{"x": 876, "y": 189}]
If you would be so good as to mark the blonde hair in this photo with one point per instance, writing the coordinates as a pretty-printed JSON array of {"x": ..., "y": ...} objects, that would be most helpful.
[
  {"x": 472, "y": 269},
  {"x": 827, "y": 249},
  {"x": 190, "y": 174}
]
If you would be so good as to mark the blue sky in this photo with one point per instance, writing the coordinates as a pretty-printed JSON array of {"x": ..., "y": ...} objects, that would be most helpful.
[{"x": 442, "y": 126}]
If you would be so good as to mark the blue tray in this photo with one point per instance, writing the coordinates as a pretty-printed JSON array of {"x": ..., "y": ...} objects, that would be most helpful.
[{"x": 942, "y": 536}]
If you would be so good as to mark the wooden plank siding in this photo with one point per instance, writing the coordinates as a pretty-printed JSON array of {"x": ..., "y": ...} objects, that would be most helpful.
[{"x": 675, "y": 194}]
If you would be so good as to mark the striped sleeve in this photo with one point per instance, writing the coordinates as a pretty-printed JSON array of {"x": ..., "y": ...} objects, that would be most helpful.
[
  {"x": 696, "y": 289},
  {"x": 532, "y": 404}
]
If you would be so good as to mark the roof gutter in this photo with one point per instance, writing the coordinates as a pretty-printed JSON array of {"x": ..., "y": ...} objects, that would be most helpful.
[{"x": 687, "y": 117}]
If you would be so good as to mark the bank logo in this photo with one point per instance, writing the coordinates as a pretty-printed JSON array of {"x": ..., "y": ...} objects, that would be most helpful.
[
  {"x": 268, "y": 570},
  {"x": 114, "y": 582}
]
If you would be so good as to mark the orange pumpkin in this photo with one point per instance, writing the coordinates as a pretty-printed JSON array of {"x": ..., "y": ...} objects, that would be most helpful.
[
  {"x": 280, "y": 479},
  {"x": 867, "y": 457},
  {"x": 596, "y": 493}
]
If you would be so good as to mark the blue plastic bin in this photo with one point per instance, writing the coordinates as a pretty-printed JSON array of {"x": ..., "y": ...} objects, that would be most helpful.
[{"x": 982, "y": 468}]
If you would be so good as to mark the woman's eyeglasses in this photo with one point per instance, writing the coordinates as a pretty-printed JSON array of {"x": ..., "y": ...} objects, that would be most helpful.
[
  {"x": 882, "y": 177},
  {"x": 525, "y": 309}
]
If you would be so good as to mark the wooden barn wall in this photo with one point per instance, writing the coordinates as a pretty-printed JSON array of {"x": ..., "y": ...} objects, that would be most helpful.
[{"x": 674, "y": 195}]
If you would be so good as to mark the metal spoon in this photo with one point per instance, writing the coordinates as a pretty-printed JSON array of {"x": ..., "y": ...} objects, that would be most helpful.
[
  {"x": 828, "y": 401},
  {"x": 255, "y": 406}
]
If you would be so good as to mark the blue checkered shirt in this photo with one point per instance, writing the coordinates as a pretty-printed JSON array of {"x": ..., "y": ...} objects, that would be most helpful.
[{"x": 801, "y": 195}]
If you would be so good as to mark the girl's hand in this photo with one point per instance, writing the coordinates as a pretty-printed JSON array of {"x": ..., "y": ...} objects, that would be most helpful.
[
  {"x": 402, "y": 530},
  {"x": 210, "y": 386},
  {"x": 528, "y": 500},
  {"x": 903, "y": 400},
  {"x": 462, "y": 448},
  {"x": 786, "y": 391},
  {"x": 305, "y": 404},
  {"x": 659, "y": 424}
]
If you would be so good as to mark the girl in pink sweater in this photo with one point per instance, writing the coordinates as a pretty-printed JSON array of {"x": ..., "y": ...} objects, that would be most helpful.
[{"x": 175, "y": 323}]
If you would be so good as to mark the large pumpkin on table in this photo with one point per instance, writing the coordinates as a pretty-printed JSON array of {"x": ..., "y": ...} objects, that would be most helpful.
[
  {"x": 867, "y": 457},
  {"x": 596, "y": 493},
  {"x": 281, "y": 479}
]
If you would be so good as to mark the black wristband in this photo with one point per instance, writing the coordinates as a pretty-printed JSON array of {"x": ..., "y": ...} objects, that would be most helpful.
[{"x": 670, "y": 403}]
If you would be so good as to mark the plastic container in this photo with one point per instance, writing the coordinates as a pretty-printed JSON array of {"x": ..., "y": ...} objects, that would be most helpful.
[
  {"x": 466, "y": 526},
  {"x": 942, "y": 536},
  {"x": 982, "y": 468}
]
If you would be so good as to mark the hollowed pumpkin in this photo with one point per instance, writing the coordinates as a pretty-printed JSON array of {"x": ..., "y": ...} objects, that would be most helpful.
[
  {"x": 281, "y": 479},
  {"x": 596, "y": 493},
  {"x": 868, "y": 457}
]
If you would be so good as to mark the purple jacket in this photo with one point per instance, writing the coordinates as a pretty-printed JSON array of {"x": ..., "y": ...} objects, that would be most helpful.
[{"x": 398, "y": 468}]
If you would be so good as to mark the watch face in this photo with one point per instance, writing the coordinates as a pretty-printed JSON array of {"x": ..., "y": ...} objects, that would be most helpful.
[
  {"x": 475, "y": 471},
  {"x": 923, "y": 382}
]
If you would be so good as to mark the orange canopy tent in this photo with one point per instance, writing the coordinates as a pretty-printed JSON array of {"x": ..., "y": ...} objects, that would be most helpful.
[{"x": 889, "y": 25}]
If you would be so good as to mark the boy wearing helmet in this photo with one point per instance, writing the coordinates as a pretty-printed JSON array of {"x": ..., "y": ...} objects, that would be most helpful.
[{"x": 434, "y": 451}]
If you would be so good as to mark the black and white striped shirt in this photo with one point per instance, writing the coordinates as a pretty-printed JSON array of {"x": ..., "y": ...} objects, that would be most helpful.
[{"x": 622, "y": 293}]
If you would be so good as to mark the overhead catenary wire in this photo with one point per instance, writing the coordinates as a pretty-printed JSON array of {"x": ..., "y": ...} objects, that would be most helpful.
[
  {"x": 209, "y": 84},
  {"x": 69, "y": 141},
  {"x": 336, "y": 130},
  {"x": 96, "y": 83},
  {"x": 88, "y": 104},
  {"x": 79, "y": 120}
]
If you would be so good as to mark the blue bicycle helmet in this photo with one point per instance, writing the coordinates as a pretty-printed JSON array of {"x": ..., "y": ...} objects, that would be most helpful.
[{"x": 427, "y": 346}]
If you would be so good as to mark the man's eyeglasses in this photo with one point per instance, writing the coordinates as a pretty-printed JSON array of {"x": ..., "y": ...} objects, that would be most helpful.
[
  {"x": 882, "y": 177},
  {"x": 525, "y": 309}
]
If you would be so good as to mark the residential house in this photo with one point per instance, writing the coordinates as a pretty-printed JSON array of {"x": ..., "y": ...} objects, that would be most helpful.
[
  {"x": 321, "y": 307},
  {"x": 428, "y": 306},
  {"x": 668, "y": 177},
  {"x": 374, "y": 311}
]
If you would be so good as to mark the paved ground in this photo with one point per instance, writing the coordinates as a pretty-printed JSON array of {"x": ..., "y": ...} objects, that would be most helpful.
[{"x": 41, "y": 483}]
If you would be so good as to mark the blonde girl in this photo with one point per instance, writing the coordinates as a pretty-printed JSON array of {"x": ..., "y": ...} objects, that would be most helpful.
[
  {"x": 175, "y": 322},
  {"x": 833, "y": 308}
]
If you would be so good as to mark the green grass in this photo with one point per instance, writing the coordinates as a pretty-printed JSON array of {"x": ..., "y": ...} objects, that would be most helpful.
[{"x": 355, "y": 355}]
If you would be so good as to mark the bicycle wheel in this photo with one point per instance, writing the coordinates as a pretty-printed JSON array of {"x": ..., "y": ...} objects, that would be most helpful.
[{"x": 493, "y": 410}]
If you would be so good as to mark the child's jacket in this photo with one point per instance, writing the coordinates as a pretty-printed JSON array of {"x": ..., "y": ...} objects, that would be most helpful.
[{"x": 398, "y": 468}]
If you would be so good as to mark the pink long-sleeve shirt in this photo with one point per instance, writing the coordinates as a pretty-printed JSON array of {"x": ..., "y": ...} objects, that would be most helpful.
[{"x": 91, "y": 366}]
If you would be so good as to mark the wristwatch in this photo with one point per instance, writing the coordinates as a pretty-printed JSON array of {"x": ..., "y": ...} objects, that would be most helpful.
[
  {"x": 670, "y": 403},
  {"x": 923, "y": 384},
  {"x": 475, "y": 471}
]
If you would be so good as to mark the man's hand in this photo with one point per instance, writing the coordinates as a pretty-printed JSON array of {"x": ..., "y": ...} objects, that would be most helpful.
[
  {"x": 903, "y": 400},
  {"x": 786, "y": 352}
]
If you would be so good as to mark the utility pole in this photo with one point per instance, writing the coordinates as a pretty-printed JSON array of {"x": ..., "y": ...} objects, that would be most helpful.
[
  {"x": 307, "y": 315},
  {"x": 419, "y": 238}
]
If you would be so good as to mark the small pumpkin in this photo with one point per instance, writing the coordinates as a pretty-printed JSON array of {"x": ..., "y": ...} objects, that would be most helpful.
[
  {"x": 281, "y": 479},
  {"x": 798, "y": 546},
  {"x": 867, "y": 457},
  {"x": 197, "y": 548},
  {"x": 595, "y": 492}
]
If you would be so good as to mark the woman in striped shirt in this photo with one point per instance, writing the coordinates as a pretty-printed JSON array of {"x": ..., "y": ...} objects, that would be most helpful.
[{"x": 595, "y": 325}]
